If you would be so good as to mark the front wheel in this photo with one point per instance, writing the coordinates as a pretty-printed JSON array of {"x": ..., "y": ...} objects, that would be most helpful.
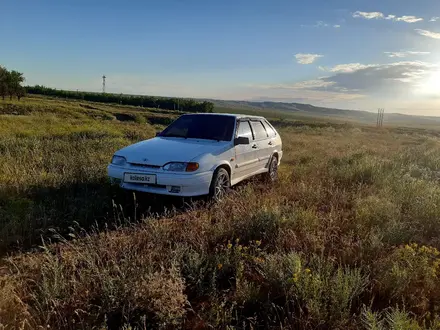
[{"x": 220, "y": 184}]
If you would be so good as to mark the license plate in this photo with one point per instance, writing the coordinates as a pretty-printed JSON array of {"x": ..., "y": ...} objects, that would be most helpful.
[{"x": 139, "y": 178}]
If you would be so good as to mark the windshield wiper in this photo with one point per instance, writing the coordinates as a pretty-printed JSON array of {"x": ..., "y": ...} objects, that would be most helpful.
[
  {"x": 204, "y": 138},
  {"x": 213, "y": 139},
  {"x": 174, "y": 135}
]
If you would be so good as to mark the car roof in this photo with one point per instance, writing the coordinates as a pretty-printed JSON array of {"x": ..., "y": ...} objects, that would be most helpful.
[{"x": 238, "y": 116}]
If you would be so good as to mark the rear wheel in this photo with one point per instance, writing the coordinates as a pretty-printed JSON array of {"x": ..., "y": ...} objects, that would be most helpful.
[
  {"x": 220, "y": 184},
  {"x": 272, "y": 174}
]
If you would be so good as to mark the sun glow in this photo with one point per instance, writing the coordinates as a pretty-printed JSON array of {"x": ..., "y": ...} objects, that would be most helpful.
[{"x": 430, "y": 86}]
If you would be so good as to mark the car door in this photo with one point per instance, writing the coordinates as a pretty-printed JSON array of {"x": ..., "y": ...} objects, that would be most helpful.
[
  {"x": 262, "y": 143},
  {"x": 245, "y": 156},
  {"x": 272, "y": 138}
]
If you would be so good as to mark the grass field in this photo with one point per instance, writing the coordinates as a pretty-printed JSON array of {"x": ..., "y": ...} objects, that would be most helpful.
[{"x": 348, "y": 238}]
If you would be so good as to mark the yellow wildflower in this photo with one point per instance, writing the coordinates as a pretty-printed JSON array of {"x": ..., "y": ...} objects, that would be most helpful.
[
  {"x": 425, "y": 249},
  {"x": 295, "y": 277},
  {"x": 307, "y": 270},
  {"x": 258, "y": 243},
  {"x": 229, "y": 244},
  {"x": 219, "y": 266}
]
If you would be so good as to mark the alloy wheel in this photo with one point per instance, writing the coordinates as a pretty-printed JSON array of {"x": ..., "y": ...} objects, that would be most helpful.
[
  {"x": 273, "y": 169},
  {"x": 221, "y": 186}
]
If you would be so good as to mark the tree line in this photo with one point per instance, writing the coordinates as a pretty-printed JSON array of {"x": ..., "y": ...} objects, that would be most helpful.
[
  {"x": 186, "y": 105},
  {"x": 10, "y": 83}
]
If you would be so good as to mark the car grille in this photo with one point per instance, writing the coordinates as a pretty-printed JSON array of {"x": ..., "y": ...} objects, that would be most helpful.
[
  {"x": 151, "y": 185},
  {"x": 145, "y": 165}
]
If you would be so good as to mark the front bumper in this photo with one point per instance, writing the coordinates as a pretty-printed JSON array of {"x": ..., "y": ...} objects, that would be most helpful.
[{"x": 196, "y": 184}]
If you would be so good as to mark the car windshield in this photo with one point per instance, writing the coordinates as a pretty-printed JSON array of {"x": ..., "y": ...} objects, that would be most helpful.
[{"x": 209, "y": 127}]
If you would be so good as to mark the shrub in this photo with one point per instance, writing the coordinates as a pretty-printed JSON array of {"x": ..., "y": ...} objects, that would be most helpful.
[
  {"x": 324, "y": 293},
  {"x": 138, "y": 118},
  {"x": 358, "y": 169},
  {"x": 199, "y": 271},
  {"x": 393, "y": 319},
  {"x": 410, "y": 276},
  {"x": 262, "y": 226},
  {"x": 160, "y": 296}
]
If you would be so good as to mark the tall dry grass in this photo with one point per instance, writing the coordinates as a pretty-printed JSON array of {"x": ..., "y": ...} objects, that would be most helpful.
[{"x": 347, "y": 239}]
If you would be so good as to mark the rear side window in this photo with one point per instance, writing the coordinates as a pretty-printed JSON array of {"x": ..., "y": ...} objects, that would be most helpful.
[
  {"x": 244, "y": 130},
  {"x": 259, "y": 130},
  {"x": 269, "y": 130}
]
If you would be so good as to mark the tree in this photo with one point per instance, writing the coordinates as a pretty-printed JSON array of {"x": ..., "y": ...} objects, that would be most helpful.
[
  {"x": 4, "y": 82},
  {"x": 187, "y": 105},
  {"x": 16, "y": 79},
  {"x": 21, "y": 92},
  {"x": 10, "y": 83}
]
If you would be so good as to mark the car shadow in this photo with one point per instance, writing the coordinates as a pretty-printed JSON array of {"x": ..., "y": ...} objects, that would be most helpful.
[
  {"x": 140, "y": 205},
  {"x": 53, "y": 214}
]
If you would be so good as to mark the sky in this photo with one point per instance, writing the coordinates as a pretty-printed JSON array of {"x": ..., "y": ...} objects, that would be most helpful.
[{"x": 349, "y": 54}]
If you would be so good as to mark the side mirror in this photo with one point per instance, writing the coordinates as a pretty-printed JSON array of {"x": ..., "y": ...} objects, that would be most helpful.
[
  {"x": 158, "y": 133},
  {"x": 241, "y": 140}
]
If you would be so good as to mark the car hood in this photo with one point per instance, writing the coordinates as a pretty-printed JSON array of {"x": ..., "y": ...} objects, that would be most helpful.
[{"x": 159, "y": 150}]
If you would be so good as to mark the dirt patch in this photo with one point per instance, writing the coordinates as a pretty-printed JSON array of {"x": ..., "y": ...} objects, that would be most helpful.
[
  {"x": 124, "y": 117},
  {"x": 159, "y": 120},
  {"x": 13, "y": 109},
  {"x": 87, "y": 106}
]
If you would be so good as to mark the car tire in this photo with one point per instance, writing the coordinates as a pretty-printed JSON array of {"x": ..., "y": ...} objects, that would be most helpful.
[
  {"x": 220, "y": 184},
  {"x": 272, "y": 173}
]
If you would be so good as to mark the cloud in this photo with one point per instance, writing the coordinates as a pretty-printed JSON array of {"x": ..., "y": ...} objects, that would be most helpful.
[
  {"x": 368, "y": 15},
  {"x": 297, "y": 92},
  {"x": 357, "y": 85},
  {"x": 397, "y": 79},
  {"x": 318, "y": 24},
  {"x": 321, "y": 24},
  {"x": 379, "y": 15},
  {"x": 307, "y": 58},
  {"x": 434, "y": 19},
  {"x": 428, "y": 34},
  {"x": 405, "y": 54},
  {"x": 354, "y": 81},
  {"x": 349, "y": 67},
  {"x": 408, "y": 19},
  {"x": 394, "y": 78},
  {"x": 308, "y": 84}
]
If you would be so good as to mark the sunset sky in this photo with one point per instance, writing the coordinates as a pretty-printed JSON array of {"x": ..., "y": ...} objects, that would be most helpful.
[{"x": 347, "y": 54}]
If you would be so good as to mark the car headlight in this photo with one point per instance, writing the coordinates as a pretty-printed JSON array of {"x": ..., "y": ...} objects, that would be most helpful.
[
  {"x": 118, "y": 160},
  {"x": 181, "y": 167}
]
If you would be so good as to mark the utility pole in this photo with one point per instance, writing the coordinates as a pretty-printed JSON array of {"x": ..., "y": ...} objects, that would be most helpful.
[
  {"x": 103, "y": 84},
  {"x": 380, "y": 113}
]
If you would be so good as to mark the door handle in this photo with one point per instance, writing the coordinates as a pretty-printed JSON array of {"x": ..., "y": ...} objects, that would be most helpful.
[
  {"x": 270, "y": 143},
  {"x": 254, "y": 146}
]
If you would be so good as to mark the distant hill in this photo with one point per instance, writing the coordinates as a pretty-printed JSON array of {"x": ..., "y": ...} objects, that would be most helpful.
[{"x": 314, "y": 111}]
